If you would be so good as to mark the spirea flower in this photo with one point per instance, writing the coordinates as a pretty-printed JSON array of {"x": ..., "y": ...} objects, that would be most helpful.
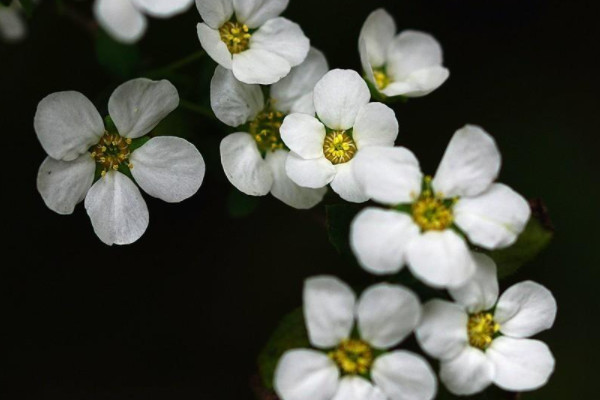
[
  {"x": 354, "y": 362},
  {"x": 323, "y": 148},
  {"x": 125, "y": 20},
  {"x": 254, "y": 160},
  {"x": 80, "y": 147},
  {"x": 429, "y": 220},
  {"x": 408, "y": 64},
  {"x": 12, "y": 23},
  {"x": 481, "y": 339},
  {"x": 249, "y": 38}
]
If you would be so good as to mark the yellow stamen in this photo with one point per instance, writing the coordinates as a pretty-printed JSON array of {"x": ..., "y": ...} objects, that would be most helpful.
[
  {"x": 482, "y": 328},
  {"x": 353, "y": 357},
  {"x": 265, "y": 130},
  {"x": 339, "y": 147},
  {"x": 432, "y": 213},
  {"x": 382, "y": 80},
  {"x": 236, "y": 36},
  {"x": 111, "y": 151}
]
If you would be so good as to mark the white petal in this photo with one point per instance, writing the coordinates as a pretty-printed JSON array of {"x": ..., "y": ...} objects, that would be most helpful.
[
  {"x": 304, "y": 105},
  {"x": 286, "y": 190},
  {"x": 388, "y": 175},
  {"x": 257, "y": 66},
  {"x": 306, "y": 374},
  {"x": 493, "y": 219},
  {"x": 63, "y": 184},
  {"x": 468, "y": 373},
  {"x": 365, "y": 63},
  {"x": 282, "y": 37},
  {"x": 211, "y": 42},
  {"x": 345, "y": 184},
  {"x": 525, "y": 309},
  {"x": 339, "y": 96},
  {"x": 215, "y": 12},
  {"x": 470, "y": 164},
  {"x": 314, "y": 173},
  {"x": 328, "y": 310},
  {"x": 244, "y": 165},
  {"x": 233, "y": 102},
  {"x": 418, "y": 83},
  {"x": 402, "y": 375},
  {"x": 12, "y": 24},
  {"x": 443, "y": 330},
  {"x": 357, "y": 388},
  {"x": 304, "y": 135},
  {"x": 387, "y": 314},
  {"x": 169, "y": 168},
  {"x": 120, "y": 19},
  {"x": 163, "y": 8},
  {"x": 441, "y": 259},
  {"x": 300, "y": 81},
  {"x": 481, "y": 291},
  {"x": 378, "y": 32},
  {"x": 117, "y": 210},
  {"x": 254, "y": 13},
  {"x": 67, "y": 124},
  {"x": 412, "y": 51},
  {"x": 375, "y": 125},
  {"x": 379, "y": 239},
  {"x": 520, "y": 364},
  {"x": 137, "y": 106}
]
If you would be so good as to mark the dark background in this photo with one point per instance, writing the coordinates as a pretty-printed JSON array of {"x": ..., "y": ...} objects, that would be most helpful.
[{"x": 183, "y": 313}]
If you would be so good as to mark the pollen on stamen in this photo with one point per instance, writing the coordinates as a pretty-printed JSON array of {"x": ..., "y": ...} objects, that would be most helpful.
[
  {"x": 431, "y": 212},
  {"x": 236, "y": 36},
  {"x": 482, "y": 328},
  {"x": 265, "y": 130},
  {"x": 339, "y": 147},
  {"x": 111, "y": 151},
  {"x": 353, "y": 357}
]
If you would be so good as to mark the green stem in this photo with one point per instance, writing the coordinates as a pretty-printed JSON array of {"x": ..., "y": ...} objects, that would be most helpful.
[
  {"x": 175, "y": 65},
  {"x": 197, "y": 109}
]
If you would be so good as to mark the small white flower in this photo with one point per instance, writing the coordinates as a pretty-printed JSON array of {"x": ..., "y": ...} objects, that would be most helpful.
[
  {"x": 254, "y": 160},
  {"x": 125, "y": 20},
  {"x": 12, "y": 23},
  {"x": 481, "y": 339},
  {"x": 420, "y": 227},
  {"x": 249, "y": 38},
  {"x": 408, "y": 64},
  {"x": 323, "y": 148},
  {"x": 360, "y": 366},
  {"x": 72, "y": 132}
]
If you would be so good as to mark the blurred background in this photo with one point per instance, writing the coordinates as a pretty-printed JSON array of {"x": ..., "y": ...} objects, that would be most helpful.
[{"x": 184, "y": 312}]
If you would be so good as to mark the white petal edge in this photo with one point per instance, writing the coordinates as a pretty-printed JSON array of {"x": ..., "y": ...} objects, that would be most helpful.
[
  {"x": 254, "y": 13},
  {"x": 215, "y": 12},
  {"x": 468, "y": 373},
  {"x": 314, "y": 173},
  {"x": 120, "y": 19},
  {"x": 163, "y": 8},
  {"x": 346, "y": 185},
  {"x": 375, "y": 125},
  {"x": 233, "y": 102},
  {"x": 304, "y": 135},
  {"x": 479, "y": 293},
  {"x": 403, "y": 375},
  {"x": 211, "y": 42},
  {"x": 259, "y": 67},
  {"x": 357, "y": 388},
  {"x": 411, "y": 51},
  {"x": 378, "y": 31},
  {"x": 282, "y": 37},
  {"x": 12, "y": 24}
]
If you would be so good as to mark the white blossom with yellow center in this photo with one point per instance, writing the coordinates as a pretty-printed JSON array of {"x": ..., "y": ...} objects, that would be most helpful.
[
  {"x": 482, "y": 339},
  {"x": 12, "y": 23},
  {"x": 254, "y": 159},
  {"x": 408, "y": 64},
  {"x": 78, "y": 144},
  {"x": 249, "y": 38},
  {"x": 344, "y": 365},
  {"x": 428, "y": 220},
  {"x": 323, "y": 148}
]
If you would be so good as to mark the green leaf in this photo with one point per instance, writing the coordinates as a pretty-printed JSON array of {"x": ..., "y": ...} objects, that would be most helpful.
[
  {"x": 339, "y": 218},
  {"x": 537, "y": 235},
  {"x": 118, "y": 59},
  {"x": 290, "y": 334},
  {"x": 241, "y": 205}
]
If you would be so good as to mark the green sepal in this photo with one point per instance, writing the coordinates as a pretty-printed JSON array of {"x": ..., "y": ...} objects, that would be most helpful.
[
  {"x": 137, "y": 143},
  {"x": 109, "y": 125}
]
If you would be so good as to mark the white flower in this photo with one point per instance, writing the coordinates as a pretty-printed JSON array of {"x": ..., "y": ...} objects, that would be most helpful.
[
  {"x": 73, "y": 134},
  {"x": 125, "y": 20},
  {"x": 408, "y": 64},
  {"x": 481, "y": 339},
  {"x": 323, "y": 148},
  {"x": 12, "y": 23},
  {"x": 254, "y": 160},
  {"x": 361, "y": 366},
  {"x": 248, "y": 37},
  {"x": 420, "y": 227}
]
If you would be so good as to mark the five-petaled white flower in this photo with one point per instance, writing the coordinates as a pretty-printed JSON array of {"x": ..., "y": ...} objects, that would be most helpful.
[
  {"x": 356, "y": 366},
  {"x": 125, "y": 20},
  {"x": 420, "y": 228},
  {"x": 323, "y": 148},
  {"x": 481, "y": 339},
  {"x": 12, "y": 23},
  {"x": 408, "y": 64},
  {"x": 254, "y": 160},
  {"x": 73, "y": 134},
  {"x": 248, "y": 37}
]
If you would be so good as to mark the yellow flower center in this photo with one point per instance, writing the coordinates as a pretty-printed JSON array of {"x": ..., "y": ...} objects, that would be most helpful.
[
  {"x": 432, "y": 213},
  {"x": 265, "y": 130},
  {"x": 236, "y": 36},
  {"x": 482, "y": 328},
  {"x": 339, "y": 147},
  {"x": 353, "y": 357},
  {"x": 111, "y": 151},
  {"x": 382, "y": 80}
]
